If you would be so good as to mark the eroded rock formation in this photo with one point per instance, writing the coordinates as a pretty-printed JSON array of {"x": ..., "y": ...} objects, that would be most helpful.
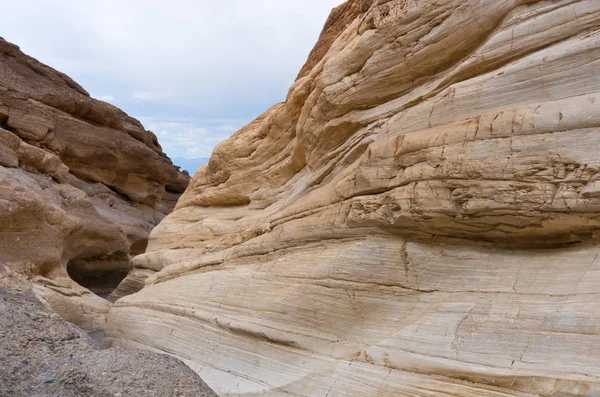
[
  {"x": 420, "y": 217},
  {"x": 81, "y": 186}
]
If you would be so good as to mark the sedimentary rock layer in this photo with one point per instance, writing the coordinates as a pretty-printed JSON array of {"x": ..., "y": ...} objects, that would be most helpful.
[
  {"x": 420, "y": 217},
  {"x": 81, "y": 186}
]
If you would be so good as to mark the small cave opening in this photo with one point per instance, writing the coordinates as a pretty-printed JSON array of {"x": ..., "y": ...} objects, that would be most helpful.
[
  {"x": 4, "y": 122},
  {"x": 101, "y": 275}
]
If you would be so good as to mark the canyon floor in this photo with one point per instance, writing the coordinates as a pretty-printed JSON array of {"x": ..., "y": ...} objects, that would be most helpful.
[{"x": 42, "y": 355}]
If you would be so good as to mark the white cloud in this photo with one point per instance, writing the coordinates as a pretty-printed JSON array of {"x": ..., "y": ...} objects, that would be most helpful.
[
  {"x": 190, "y": 138},
  {"x": 192, "y": 47},
  {"x": 227, "y": 128},
  {"x": 105, "y": 98},
  {"x": 145, "y": 96}
]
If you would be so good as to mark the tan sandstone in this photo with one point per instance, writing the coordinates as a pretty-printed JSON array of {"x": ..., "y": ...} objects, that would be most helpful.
[{"x": 419, "y": 218}]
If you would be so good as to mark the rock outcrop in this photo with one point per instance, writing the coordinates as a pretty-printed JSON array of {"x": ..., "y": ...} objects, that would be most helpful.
[
  {"x": 419, "y": 218},
  {"x": 81, "y": 186}
]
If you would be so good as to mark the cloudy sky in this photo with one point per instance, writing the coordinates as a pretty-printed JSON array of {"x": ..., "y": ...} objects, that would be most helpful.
[{"x": 193, "y": 71}]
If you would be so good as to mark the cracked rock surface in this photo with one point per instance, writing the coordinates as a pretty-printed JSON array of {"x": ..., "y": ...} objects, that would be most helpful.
[{"x": 419, "y": 218}]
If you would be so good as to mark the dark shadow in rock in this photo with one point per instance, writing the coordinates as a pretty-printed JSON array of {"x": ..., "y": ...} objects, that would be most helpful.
[{"x": 101, "y": 275}]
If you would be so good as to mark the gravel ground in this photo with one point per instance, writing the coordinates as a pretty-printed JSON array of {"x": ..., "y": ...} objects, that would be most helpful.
[{"x": 42, "y": 355}]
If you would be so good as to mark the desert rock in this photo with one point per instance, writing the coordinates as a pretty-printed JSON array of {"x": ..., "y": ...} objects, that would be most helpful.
[
  {"x": 82, "y": 186},
  {"x": 419, "y": 218}
]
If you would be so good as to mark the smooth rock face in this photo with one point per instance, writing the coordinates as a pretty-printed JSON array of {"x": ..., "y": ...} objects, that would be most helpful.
[
  {"x": 81, "y": 186},
  {"x": 419, "y": 218}
]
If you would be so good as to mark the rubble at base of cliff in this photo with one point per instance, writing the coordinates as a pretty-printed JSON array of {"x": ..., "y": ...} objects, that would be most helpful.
[{"x": 43, "y": 355}]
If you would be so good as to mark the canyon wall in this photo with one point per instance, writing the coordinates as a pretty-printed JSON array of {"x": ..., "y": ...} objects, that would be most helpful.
[
  {"x": 81, "y": 186},
  {"x": 420, "y": 217}
]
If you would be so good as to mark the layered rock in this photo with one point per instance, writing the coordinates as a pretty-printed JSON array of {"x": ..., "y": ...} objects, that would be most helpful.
[
  {"x": 81, "y": 186},
  {"x": 420, "y": 217}
]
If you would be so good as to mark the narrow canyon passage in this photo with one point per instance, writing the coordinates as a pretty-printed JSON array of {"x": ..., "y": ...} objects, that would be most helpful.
[{"x": 420, "y": 217}]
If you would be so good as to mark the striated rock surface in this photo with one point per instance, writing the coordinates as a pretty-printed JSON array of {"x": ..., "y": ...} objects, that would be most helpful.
[
  {"x": 419, "y": 218},
  {"x": 81, "y": 186}
]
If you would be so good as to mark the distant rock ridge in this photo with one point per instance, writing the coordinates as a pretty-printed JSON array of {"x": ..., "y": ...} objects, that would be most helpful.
[{"x": 82, "y": 184}]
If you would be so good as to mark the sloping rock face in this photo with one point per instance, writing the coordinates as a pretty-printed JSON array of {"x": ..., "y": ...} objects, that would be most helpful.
[
  {"x": 81, "y": 186},
  {"x": 419, "y": 218}
]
